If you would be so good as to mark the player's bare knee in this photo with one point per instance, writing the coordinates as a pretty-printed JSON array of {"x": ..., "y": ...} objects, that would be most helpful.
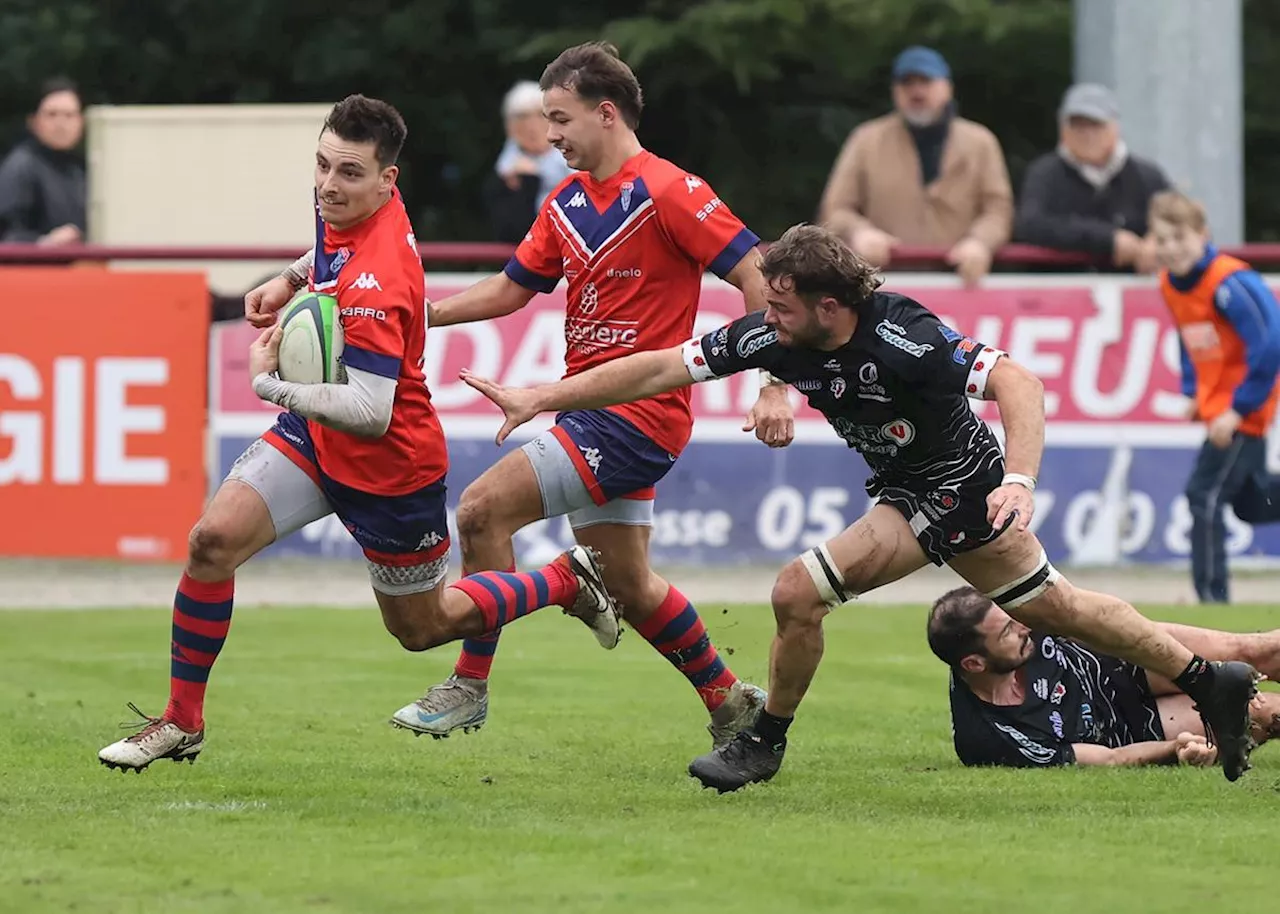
[
  {"x": 212, "y": 548},
  {"x": 795, "y": 600},
  {"x": 479, "y": 518}
]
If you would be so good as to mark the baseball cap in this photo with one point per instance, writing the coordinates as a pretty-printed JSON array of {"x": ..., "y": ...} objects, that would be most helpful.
[
  {"x": 920, "y": 61},
  {"x": 1089, "y": 100}
]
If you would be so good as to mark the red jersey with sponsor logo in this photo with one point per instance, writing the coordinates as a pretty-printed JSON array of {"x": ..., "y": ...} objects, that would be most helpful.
[
  {"x": 374, "y": 271},
  {"x": 633, "y": 250}
]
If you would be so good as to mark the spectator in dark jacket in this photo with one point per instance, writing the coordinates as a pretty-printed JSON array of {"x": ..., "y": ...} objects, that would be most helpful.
[
  {"x": 528, "y": 168},
  {"x": 1090, "y": 194},
  {"x": 42, "y": 181}
]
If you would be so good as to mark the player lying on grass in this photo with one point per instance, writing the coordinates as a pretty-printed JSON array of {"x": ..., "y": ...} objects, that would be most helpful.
[
  {"x": 371, "y": 451},
  {"x": 1026, "y": 699},
  {"x": 892, "y": 381}
]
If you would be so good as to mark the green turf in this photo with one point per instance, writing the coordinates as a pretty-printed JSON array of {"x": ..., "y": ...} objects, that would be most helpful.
[{"x": 574, "y": 797}]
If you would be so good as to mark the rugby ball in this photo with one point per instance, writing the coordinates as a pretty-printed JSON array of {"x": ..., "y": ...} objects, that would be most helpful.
[{"x": 311, "y": 340}]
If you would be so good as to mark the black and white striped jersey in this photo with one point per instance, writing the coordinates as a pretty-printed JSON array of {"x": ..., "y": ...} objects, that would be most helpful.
[{"x": 896, "y": 391}]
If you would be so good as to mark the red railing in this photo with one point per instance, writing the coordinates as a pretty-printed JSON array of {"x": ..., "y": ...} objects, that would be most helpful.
[{"x": 479, "y": 252}]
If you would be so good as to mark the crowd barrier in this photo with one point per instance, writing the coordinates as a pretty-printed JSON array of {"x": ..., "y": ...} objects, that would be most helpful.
[{"x": 119, "y": 410}]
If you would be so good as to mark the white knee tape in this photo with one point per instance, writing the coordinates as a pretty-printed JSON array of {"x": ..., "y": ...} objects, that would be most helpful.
[
  {"x": 826, "y": 576},
  {"x": 1027, "y": 587}
]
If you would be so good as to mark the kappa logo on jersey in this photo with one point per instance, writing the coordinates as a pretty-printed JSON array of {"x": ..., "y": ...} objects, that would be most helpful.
[
  {"x": 627, "y": 188},
  {"x": 838, "y": 387},
  {"x": 892, "y": 334},
  {"x": 1059, "y": 693},
  {"x": 867, "y": 374},
  {"x": 592, "y": 456},
  {"x": 578, "y": 200},
  {"x": 431, "y": 539},
  {"x": 1041, "y": 688},
  {"x": 899, "y": 431},
  {"x": 589, "y": 299},
  {"x": 691, "y": 183},
  {"x": 1222, "y": 298},
  {"x": 366, "y": 281},
  {"x": 755, "y": 339}
]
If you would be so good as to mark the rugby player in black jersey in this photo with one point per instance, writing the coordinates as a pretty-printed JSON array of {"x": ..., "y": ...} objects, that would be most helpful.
[{"x": 892, "y": 380}]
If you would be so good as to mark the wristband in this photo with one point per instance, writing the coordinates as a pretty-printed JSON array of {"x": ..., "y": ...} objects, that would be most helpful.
[
  {"x": 1019, "y": 479},
  {"x": 767, "y": 379}
]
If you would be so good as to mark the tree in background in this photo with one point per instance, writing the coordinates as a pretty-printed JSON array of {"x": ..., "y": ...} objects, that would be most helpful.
[{"x": 755, "y": 94}]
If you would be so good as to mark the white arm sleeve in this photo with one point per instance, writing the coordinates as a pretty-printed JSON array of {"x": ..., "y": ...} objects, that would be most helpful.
[
  {"x": 297, "y": 272},
  {"x": 362, "y": 406}
]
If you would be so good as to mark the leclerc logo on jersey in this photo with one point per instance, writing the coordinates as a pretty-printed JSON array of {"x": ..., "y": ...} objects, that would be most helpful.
[{"x": 366, "y": 281}]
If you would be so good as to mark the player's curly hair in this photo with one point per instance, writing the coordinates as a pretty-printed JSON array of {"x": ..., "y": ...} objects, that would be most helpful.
[
  {"x": 953, "y": 624},
  {"x": 596, "y": 73},
  {"x": 817, "y": 264},
  {"x": 359, "y": 119}
]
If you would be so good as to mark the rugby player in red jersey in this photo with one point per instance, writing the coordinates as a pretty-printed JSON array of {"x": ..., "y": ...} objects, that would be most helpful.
[
  {"x": 370, "y": 450},
  {"x": 632, "y": 235}
]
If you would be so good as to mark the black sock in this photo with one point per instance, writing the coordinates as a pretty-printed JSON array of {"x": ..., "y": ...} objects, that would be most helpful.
[
  {"x": 773, "y": 730},
  {"x": 1197, "y": 679}
]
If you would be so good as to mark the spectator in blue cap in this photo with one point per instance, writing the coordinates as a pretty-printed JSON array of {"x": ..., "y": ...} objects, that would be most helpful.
[{"x": 921, "y": 175}]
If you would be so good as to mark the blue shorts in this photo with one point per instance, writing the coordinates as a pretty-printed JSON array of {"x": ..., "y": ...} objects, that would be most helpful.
[
  {"x": 596, "y": 467},
  {"x": 405, "y": 538}
]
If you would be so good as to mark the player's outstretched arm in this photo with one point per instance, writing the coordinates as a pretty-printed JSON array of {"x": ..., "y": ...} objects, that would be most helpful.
[
  {"x": 1020, "y": 397},
  {"x": 1187, "y": 749},
  {"x": 635, "y": 377},
  {"x": 495, "y": 296}
]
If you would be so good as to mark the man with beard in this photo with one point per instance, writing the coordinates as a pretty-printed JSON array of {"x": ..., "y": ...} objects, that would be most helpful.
[{"x": 1025, "y": 699}]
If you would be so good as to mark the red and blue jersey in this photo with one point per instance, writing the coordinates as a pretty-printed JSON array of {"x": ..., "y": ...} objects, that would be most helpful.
[
  {"x": 374, "y": 271},
  {"x": 633, "y": 249}
]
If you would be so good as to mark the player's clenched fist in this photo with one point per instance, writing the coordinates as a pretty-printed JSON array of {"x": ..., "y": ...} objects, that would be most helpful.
[
  {"x": 262, "y": 303},
  {"x": 1007, "y": 501},
  {"x": 1195, "y": 750}
]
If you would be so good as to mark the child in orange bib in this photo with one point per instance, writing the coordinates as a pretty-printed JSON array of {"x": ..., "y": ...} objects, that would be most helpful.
[{"x": 1229, "y": 324}]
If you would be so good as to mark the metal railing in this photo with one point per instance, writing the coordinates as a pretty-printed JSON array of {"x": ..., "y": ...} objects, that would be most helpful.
[{"x": 481, "y": 252}]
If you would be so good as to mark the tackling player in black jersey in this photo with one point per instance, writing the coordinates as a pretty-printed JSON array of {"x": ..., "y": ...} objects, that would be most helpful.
[
  {"x": 893, "y": 380},
  {"x": 1024, "y": 699}
]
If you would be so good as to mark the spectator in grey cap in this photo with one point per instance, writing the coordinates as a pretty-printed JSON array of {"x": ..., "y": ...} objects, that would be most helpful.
[
  {"x": 921, "y": 175},
  {"x": 1091, "y": 194}
]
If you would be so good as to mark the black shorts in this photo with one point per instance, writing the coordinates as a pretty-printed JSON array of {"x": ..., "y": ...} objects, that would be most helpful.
[
  {"x": 947, "y": 520},
  {"x": 1127, "y": 709}
]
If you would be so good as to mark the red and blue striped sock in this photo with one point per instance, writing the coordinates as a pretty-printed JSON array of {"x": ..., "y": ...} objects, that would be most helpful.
[
  {"x": 476, "y": 658},
  {"x": 677, "y": 633},
  {"x": 502, "y": 597},
  {"x": 201, "y": 620}
]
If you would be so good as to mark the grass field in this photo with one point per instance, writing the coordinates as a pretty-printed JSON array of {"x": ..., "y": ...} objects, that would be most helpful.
[{"x": 574, "y": 797}]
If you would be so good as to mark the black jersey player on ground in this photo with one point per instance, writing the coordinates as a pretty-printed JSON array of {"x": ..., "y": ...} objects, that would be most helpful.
[
  {"x": 892, "y": 381},
  {"x": 1025, "y": 699}
]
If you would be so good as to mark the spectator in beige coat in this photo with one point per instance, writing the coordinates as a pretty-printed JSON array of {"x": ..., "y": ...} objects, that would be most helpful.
[{"x": 921, "y": 175}]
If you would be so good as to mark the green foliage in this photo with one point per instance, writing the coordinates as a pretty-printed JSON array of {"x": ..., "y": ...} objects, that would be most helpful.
[{"x": 756, "y": 95}]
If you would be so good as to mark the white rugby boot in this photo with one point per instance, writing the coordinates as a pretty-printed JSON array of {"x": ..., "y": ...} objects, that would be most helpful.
[
  {"x": 739, "y": 711},
  {"x": 158, "y": 739},
  {"x": 593, "y": 606},
  {"x": 457, "y": 703}
]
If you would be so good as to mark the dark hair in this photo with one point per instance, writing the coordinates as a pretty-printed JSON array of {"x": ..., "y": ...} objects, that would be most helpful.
[
  {"x": 818, "y": 264},
  {"x": 596, "y": 73},
  {"x": 953, "y": 624},
  {"x": 53, "y": 86},
  {"x": 358, "y": 119}
]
